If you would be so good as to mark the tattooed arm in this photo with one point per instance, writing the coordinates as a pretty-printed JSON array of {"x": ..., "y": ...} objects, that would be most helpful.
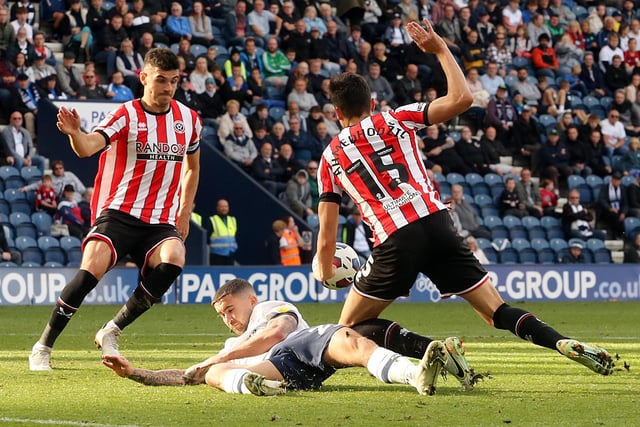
[{"x": 168, "y": 377}]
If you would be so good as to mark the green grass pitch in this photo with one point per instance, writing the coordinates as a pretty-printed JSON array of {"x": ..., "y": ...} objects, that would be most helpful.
[{"x": 529, "y": 385}]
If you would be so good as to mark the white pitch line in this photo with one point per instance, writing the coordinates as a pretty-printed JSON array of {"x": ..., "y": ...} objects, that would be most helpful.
[{"x": 60, "y": 422}]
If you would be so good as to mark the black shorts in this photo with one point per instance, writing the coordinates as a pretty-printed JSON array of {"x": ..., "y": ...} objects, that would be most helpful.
[
  {"x": 299, "y": 357},
  {"x": 430, "y": 246},
  {"x": 127, "y": 235}
]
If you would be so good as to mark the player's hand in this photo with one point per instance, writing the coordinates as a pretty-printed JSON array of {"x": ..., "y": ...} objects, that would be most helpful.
[
  {"x": 68, "y": 121},
  {"x": 426, "y": 38},
  {"x": 322, "y": 273},
  {"x": 182, "y": 225},
  {"x": 119, "y": 364},
  {"x": 201, "y": 368}
]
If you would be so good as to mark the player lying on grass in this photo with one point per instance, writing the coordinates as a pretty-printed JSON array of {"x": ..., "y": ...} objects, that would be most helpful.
[{"x": 277, "y": 350}]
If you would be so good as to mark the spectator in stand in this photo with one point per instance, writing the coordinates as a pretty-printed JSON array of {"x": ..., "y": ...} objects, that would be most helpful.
[
  {"x": 177, "y": 26},
  {"x": 593, "y": 77},
  {"x": 493, "y": 149},
  {"x": 520, "y": 44},
  {"x": 129, "y": 63},
  {"x": 313, "y": 119},
  {"x": 616, "y": 76},
  {"x": 68, "y": 212},
  {"x": 199, "y": 75},
  {"x": 567, "y": 54},
  {"x": 299, "y": 41},
  {"x": 554, "y": 158},
  {"x": 303, "y": 145},
  {"x": 543, "y": 57},
  {"x": 7, "y": 33},
  {"x": 612, "y": 205},
  {"x": 120, "y": 91},
  {"x": 631, "y": 160},
  {"x": 575, "y": 33},
  {"x": 529, "y": 193},
  {"x": 8, "y": 254},
  {"x": 509, "y": 203},
  {"x": 20, "y": 22},
  {"x": 608, "y": 51},
  {"x": 381, "y": 90},
  {"x": 576, "y": 218},
  {"x": 631, "y": 91},
  {"x": 469, "y": 218},
  {"x": 236, "y": 26},
  {"x": 21, "y": 45},
  {"x": 18, "y": 146},
  {"x": 69, "y": 76},
  {"x": 440, "y": 149},
  {"x": 289, "y": 16},
  {"x": 261, "y": 117},
  {"x": 249, "y": 56},
  {"x": 258, "y": 88},
  {"x": 358, "y": 235},
  {"x": 471, "y": 152},
  {"x": 227, "y": 121},
  {"x": 200, "y": 25},
  {"x": 625, "y": 109},
  {"x": 632, "y": 56},
  {"x": 536, "y": 28},
  {"x": 81, "y": 36},
  {"x": 286, "y": 158},
  {"x": 25, "y": 100},
  {"x": 548, "y": 198},
  {"x": 501, "y": 113},
  {"x": 40, "y": 47},
  {"x": 448, "y": 27},
  {"x": 108, "y": 43},
  {"x": 260, "y": 22},
  {"x": 40, "y": 68},
  {"x": 277, "y": 136},
  {"x": 478, "y": 108},
  {"x": 613, "y": 134},
  {"x": 491, "y": 80},
  {"x": 184, "y": 52},
  {"x": 598, "y": 157},
  {"x": 60, "y": 178},
  {"x": 298, "y": 194},
  {"x": 276, "y": 65},
  {"x": 49, "y": 89},
  {"x": 312, "y": 171},
  {"x": 336, "y": 46},
  {"x": 239, "y": 147},
  {"x": 632, "y": 250},
  {"x": 473, "y": 53},
  {"x": 267, "y": 171},
  {"x": 396, "y": 39},
  {"x": 404, "y": 86},
  {"x": 275, "y": 241},
  {"x": 633, "y": 194},
  {"x": 330, "y": 119},
  {"x": 46, "y": 199},
  {"x": 555, "y": 27},
  {"x": 579, "y": 152},
  {"x": 260, "y": 136},
  {"x": 91, "y": 90},
  {"x": 529, "y": 91},
  {"x": 186, "y": 95},
  {"x": 512, "y": 17},
  {"x": 293, "y": 110},
  {"x": 526, "y": 139},
  {"x": 575, "y": 255},
  {"x": 472, "y": 243},
  {"x": 304, "y": 99}
]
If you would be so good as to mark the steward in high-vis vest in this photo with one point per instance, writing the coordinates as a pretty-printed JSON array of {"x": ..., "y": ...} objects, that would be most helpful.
[{"x": 222, "y": 241}]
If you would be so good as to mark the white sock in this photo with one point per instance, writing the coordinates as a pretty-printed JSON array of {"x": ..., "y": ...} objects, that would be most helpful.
[
  {"x": 233, "y": 381},
  {"x": 112, "y": 324},
  {"x": 390, "y": 367}
]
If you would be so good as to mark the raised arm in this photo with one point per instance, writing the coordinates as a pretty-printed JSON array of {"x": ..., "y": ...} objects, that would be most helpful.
[
  {"x": 83, "y": 144},
  {"x": 458, "y": 98}
]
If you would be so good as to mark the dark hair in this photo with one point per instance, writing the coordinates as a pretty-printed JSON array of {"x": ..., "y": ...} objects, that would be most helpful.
[
  {"x": 162, "y": 58},
  {"x": 350, "y": 93},
  {"x": 232, "y": 287}
]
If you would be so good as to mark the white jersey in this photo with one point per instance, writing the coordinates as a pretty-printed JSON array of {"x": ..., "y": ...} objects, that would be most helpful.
[{"x": 261, "y": 315}]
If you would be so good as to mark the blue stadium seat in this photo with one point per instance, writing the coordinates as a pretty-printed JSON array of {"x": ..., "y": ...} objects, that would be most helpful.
[
  {"x": 595, "y": 244},
  {"x": 558, "y": 244},
  {"x": 74, "y": 257},
  {"x": 510, "y": 79},
  {"x": 538, "y": 244},
  {"x": 594, "y": 181},
  {"x": 454, "y": 134},
  {"x": 546, "y": 256},
  {"x": 23, "y": 242},
  {"x": 70, "y": 242},
  {"x": 528, "y": 256},
  {"x": 219, "y": 48},
  {"x": 313, "y": 221},
  {"x": 537, "y": 232},
  {"x": 518, "y": 232},
  {"x": 555, "y": 233},
  {"x": 439, "y": 177},
  {"x": 54, "y": 254},
  {"x": 492, "y": 179},
  {"x": 483, "y": 200},
  {"x": 628, "y": 180},
  {"x": 491, "y": 255},
  {"x": 174, "y": 47},
  {"x": 511, "y": 221},
  {"x": 11, "y": 194},
  {"x": 455, "y": 178},
  {"x": 631, "y": 226},
  {"x": 602, "y": 256},
  {"x": 519, "y": 62},
  {"x": 581, "y": 12},
  {"x": 21, "y": 206},
  {"x": 500, "y": 243},
  {"x": 198, "y": 49},
  {"x": 46, "y": 242},
  {"x": 8, "y": 264},
  {"x": 483, "y": 243},
  {"x": 480, "y": 188},
  {"x": 575, "y": 180},
  {"x": 606, "y": 101},
  {"x": 14, "y": 182},
  {"x": 473, "y": 178},
  {"x": 548, "y": 121},
  {"x": 519, "y": 244},
  {"x": 8, "y": 171},
  {"x": 616, "y": 164},
  {"x": 530, "y": 221},
  {"x": 586, "y": 194},
  {"x": 16, "y": 218},
  {"x": 31, "y": 173},
  {"x": 42, "y": 221},
  {"x": 549, "y": 221},
  {"x": 599, "y": 111},
  {"x": 27, "y": 229},
  {"x": 32, "y": 256},
  {"x": 276, "y": 113},
  {"x": 489, "y": 211},
  {"x": 445, "y": 188},
  {"x": 590, "y": 101},
  {"x": 52, "y": 264},
  {"x": 492, "y": 221},
  {"x": 508, "y": 256},
  {"x": 496, "y": 190}
]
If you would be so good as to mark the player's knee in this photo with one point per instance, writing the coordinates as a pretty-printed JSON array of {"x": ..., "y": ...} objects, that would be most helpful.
[{"x": 213, "y": 378}]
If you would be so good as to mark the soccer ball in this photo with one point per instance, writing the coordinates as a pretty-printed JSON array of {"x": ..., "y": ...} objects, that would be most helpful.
[{"x": 347, "y": 263}]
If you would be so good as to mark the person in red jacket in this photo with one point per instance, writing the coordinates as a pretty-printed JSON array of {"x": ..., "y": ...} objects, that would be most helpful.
[{"x": 544, "y": 57}]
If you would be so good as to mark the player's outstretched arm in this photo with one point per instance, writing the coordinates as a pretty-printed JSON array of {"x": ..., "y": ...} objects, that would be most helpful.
[
  {"x": 458, "y": 98},
  {"x": 328, "y": 213},
  {"x": 168, "y": 377},
  {"x": 82, "y": 143}
]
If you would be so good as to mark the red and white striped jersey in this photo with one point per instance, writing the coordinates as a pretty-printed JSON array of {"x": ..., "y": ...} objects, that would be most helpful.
[
  {"x": 377, "y": 163},
  {"x": 140, "y": 170}
]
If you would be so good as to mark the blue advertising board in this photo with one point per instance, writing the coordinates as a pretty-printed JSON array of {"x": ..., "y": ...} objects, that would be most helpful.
[{"x": 197, "y": 285}]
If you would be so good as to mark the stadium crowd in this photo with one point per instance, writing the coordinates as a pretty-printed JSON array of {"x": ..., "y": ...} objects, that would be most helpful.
[{"x": 555, "y": 117}]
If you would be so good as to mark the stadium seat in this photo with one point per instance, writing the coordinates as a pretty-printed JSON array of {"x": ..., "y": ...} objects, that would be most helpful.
[
  {"x": 595, "y": 244},
  {"x": 23, "y": 242},
  {"x": 500, "y": 243},
  {"x": 1, "y": 189},
  {"x": 581, "y": 12},
  {"x": 558, "y": 245},
  {"x": 616, "y": 164},
  {"x": 31, "y": 174},
  {"x": 599, "y": 111},
  {"x": 628, "y": 180},
  {"x": 538, "y": 244},
  {"x": 586, "y": 195},
  {"x": 508, "y": 256},
  {"x": 42, "y": 221},
  {"x": 276, "y": 113},
  {"x": 27, "y": 229},
  {"x": 546, "y": 256},
  {"x": 198, "y": 49},
  {"x": 549, "y": 221},
  {"x": 445, "y": 188},
  {"x": 631, "y": 226},
  {"x": 511, "y": 221},
  {"x": 455, "y": 178},
  {"x": 70, "y": 242},
  {"x": 496, "y": 190},
  {"x": 520, "y": 244},
  {"x": 602, "y": 256},
  {"x": 439, "y": 177},
  {"x": 555, "y": 233},
  {"x": 530, "y": 221},
  {"x": 594, "y": 181},
  {"x": 575, "y": 180},
  {"x": 8, "y": 171},
  {"x": 483, "y": 243},
  {"x": 528, "y": 256},
  {"x": 4, "y": 217},
  {"x": 14, "y": 182},
  {"x": 590, "y": 101},
  {"x": 606, "y": 101},
  {"x": 491, "y": 255},
  {"x": 454, "y": 134},
  {"x": 483, "y": 200},
  {"x": 519, "y": 62},
  {"x": 32, "y": 256},
  {"x": 489, "y": 211},
  {"x": 480, "y": 188},
  {"x": 46, "y": 242},
  {"x": 74, "y": 257},
  {"x": 11, "y": 194},
  {"x": 548, "y": 121},
  {"x": 492, "y": 178},
  {"x": 54, "y": 254},
  {"x": 52, "y": 264},
  {"x": 21, "y": 206},
  {"x": 16, "y": 218},
  {"x": 174, "y": 47},
  {"x": 510, "y": 79},
  {"x": 313, "y": 221},
  {"x": 537, "y": 232},
  {"x": 473, "y": 178},
  {"x": 492, "y": 221},
  {"x": 220, "y": 49},
  {"x": 8, "y": 264},
  {"x": 518, "y": 232}
]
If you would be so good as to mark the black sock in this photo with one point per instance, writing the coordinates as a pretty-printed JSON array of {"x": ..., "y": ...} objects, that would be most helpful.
[
  {"x": 392, "y": 336},
  {"x": 526, "y": 326},
  {"x": 68, "y": 303},
  {"x": 148, "y": 292}
]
